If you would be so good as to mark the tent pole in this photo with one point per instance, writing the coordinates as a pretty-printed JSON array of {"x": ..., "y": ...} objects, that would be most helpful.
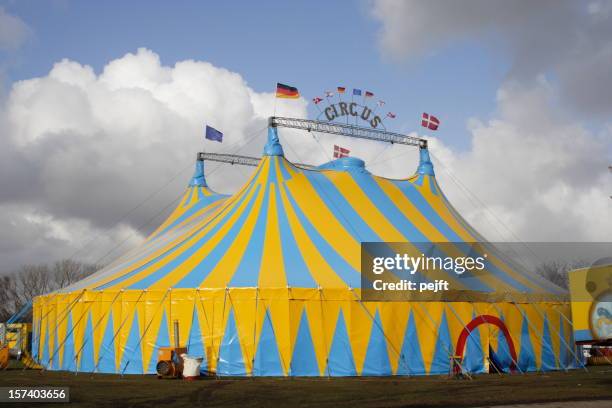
[
  {"x": 93, "y": 330},
  {"x": 255, "y": 330},
  {"x": 572, "y": 329},
  {"x": 543, "y": 315},
  {"x": 100, "y": 319},
  {"x": 274, "y": 333},
  {"x": 76, "y": 355},
  {"x": 516, "y": 364},
  {"x": 161, "y": 302},
  {"x": 434, "y": 332},
  {"x": 323, "y": 330},
  {"x": 66, "y": 313},
  {"x": 398, "y": 352},
  {"x": 465, "y": 327},
  {"x": 208, "y": 325},
  {"x": 222, "y": 317},
  {"x": 38, "y": 331},
  {"x": 119, "y": 329},
  {"x": 539, "y": 335}
]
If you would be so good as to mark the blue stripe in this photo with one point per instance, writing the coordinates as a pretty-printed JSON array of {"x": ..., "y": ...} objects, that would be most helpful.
[
  {"x": 432, "y": 186},
  {"x": 409, "y": 231},
  {"x": 534, "y": 279},
  {"x": 423, "y": 206},
  {"x": 342, "y": 209},
  {"x": 415, "y": 197},
  {"x": 390, "y": 211},
  {"x": 188, "y": 200},
  {"x": 160, "y": 274},
  {"x": 201, "y": 195},
  {"x": 247, "y": 273},
  {"x": 196, "y": 207},
  {"x": 285, "y": 173},
  {"x": 194, "y": 278},
  {"x": 296, "y": 271},
  {"x": 342, "y": 268},
  {"x": 272, "y": 176}
]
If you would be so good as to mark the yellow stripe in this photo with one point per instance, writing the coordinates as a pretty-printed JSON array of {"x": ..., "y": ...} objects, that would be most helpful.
[
  {"x": 224, "y": 270},
  {"x": 222, "y": 273},
  {"x": 435, "y": 203},
  {"x": 272, "y": 269},
  {"x": 410, "y": 211},
  {"x": 218, "y": 277},
  {"x": 324, "y": 221},
  {"x": 321, "y": 271},
  {"x": 360, "y": 202},
  {"x": 178, "y": 211},
  {"x": 440, "y": 206},
  {"x": 186, "y": 239},
  {"x": 213, "y": 218}
]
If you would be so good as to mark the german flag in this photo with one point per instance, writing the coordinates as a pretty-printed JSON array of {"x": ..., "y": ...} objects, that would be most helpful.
[{"x": 286, "y": 91}]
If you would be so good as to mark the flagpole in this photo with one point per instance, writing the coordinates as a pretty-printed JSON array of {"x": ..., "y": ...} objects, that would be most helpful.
[
  {"x": 327, "y": 99},
  {"x": 382, "y": 120},
  {"x": 275, "y": 100},
  {"x": 352, "y": 96},
  {"x": 375, "y": 108},
  {"x": 319, "y": 109},
  {"x": 362, "y": 103}
]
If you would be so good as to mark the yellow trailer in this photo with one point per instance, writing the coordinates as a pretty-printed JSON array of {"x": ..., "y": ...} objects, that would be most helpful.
[{"x": 15, "y": 341}]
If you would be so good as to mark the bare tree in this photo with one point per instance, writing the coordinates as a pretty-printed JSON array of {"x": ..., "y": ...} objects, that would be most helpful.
[
  {"x": 33, "y": 280},
  {"x": 7, "y": 296},
  {"x": 29, "y": 281},
  {"x": 66, "y": 272},
  {"x": 556, "y": 271}
]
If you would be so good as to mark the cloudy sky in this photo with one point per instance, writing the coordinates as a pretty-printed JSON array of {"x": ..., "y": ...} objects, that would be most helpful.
[{"x": 102, "y": 107}]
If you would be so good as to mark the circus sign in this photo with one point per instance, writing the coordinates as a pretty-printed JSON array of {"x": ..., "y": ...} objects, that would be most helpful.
[{"x": 351, "y": 110}]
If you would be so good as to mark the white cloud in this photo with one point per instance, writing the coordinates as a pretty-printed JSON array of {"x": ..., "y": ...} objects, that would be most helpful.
[
  {"x": 570, "y": 40},
  {"x": 77, "y": 147},
  {"x": 31, "y": 236},
  {"x": 13, "y": 31},
  {"x": 535, "y": 164},
  {"x": 80, "y": 149},
  {"x": 543, "y": 177}
]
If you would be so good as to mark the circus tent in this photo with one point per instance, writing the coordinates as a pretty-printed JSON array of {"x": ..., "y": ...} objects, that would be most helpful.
[{"x": 266, "y": 282}]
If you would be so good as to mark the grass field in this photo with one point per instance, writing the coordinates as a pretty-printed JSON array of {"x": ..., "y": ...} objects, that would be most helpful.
[{"x": 104, "y": 390}]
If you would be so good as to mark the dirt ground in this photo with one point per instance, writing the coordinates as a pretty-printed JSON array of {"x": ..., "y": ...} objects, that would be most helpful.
[{"x": 577, "y": 388}]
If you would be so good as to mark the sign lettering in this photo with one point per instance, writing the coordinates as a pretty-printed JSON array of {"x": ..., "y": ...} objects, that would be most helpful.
[{"x": 340, "y": 109}]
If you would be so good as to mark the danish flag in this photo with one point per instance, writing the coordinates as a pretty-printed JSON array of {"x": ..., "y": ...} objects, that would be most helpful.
[
  {"x": 340, "y": 152},
  {"x": 317, "y": 100},
  {"x": 430, "y": 121}
]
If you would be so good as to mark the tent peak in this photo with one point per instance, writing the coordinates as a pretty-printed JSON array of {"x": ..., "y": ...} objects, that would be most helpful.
[
  {"x": 425, "y": 164},
  {"x": 273, "y": 146},
  {"x": 198, "y": 179}
]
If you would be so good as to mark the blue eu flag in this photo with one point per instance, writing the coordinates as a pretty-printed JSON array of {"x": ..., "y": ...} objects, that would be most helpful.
[
  {"x": 357, "y": 92},
  {"x": 213, "y": 134}
]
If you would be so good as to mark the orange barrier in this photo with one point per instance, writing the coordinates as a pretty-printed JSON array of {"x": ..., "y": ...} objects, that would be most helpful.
[{"x": 4, "y": 357}]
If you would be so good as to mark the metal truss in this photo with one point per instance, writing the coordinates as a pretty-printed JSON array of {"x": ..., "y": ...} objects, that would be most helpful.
[
  {"x": 238, "y": 159},
  {"x": 346, "y": 130}
]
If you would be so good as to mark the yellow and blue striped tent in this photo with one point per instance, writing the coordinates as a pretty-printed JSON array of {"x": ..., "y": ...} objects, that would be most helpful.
[{"x": 265, "y": 282}]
